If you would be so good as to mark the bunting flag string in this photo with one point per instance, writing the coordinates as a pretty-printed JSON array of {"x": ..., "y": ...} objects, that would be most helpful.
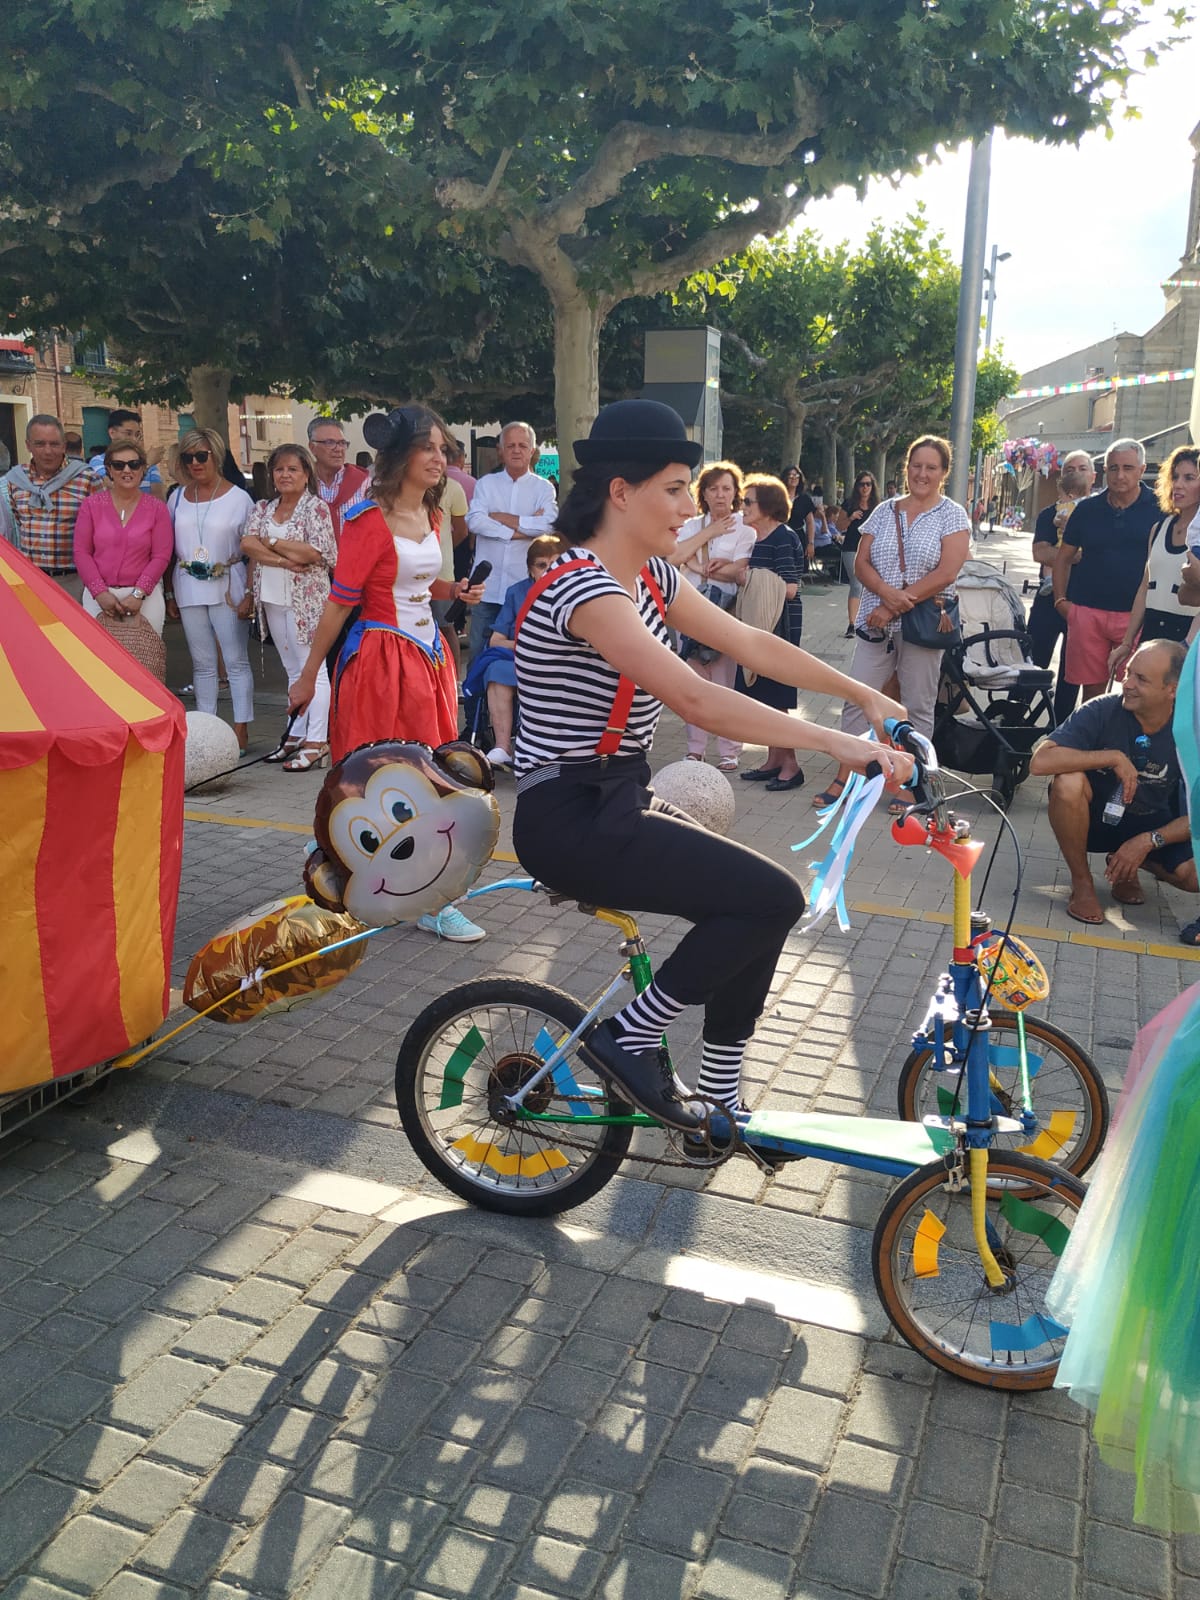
[{"x": 1132, "y": 380}]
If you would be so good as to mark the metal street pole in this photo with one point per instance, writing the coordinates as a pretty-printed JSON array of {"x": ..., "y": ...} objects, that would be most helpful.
[
  {"x": 990, "y": 275},
  {"x": 970, "y": 298}
]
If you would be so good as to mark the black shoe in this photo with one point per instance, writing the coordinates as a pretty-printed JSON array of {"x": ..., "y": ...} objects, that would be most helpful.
[
  {"x": 777, "y": 784},
  {"x": 760, "y": 774},
  {"x": 643, "y": 1077},
  {"x": 849, "y": 633}
]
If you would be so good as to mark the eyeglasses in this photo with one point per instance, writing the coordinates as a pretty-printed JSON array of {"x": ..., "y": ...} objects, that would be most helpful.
[
  {"x": 127, "y": 466},
  {"x": 188, "y": 457},
  {"x": 334, "y": 444},
  {"x": 750, "y": 500}
]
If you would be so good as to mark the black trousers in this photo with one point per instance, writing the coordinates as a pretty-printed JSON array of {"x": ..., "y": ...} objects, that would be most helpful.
[
  {"x": 1046, "y": 628},
  {"x": 599, "y": 836}
]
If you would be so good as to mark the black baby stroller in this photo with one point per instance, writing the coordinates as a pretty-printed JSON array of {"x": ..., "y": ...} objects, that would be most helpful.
[{"x": 993, "y": 702}]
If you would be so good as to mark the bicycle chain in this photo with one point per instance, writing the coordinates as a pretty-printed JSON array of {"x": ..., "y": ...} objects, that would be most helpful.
[{"x": 716, "y": 1160}]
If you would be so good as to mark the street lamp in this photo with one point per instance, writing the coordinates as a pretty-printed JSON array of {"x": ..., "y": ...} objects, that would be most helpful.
[
  {"x": 990, "y": 280},
  {"x": 990, "y": 276}
]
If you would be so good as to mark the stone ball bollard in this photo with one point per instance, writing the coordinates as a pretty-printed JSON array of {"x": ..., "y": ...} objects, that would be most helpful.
[
  {"x": 704, "y": 793},
  {"x": 212, "y": 747}
]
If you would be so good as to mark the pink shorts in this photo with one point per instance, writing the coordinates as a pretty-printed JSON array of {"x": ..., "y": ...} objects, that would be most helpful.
[{"x": 1091, "y": 635}]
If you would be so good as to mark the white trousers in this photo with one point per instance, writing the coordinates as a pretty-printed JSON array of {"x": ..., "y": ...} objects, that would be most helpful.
[
  {"x": 154, "y": 606},
  {"x": 312, "y": 725},
  {"x": 206, "y": 627},
  {"x": 919, "y": 671},
  {"x": 723, "y": 671}
]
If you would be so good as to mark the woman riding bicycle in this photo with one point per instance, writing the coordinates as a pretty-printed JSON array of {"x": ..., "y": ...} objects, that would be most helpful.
[{"x": 586, "y": 823}]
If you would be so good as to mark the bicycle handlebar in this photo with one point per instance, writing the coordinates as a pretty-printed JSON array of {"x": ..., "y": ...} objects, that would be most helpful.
[{"x": 925, "y": 762}]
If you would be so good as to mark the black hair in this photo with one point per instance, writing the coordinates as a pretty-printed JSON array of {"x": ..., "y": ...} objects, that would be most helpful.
[
  {"x": 579, "y": 515},
  {"x": 116, "y": 418}
]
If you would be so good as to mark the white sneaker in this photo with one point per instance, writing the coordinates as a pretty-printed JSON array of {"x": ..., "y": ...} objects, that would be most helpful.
[
  {"x": 499, "y": 756},
  {"x": 449, "y": 923}
]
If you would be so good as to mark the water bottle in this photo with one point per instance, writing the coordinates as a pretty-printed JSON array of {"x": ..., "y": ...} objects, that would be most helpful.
[{"x": 1115, "y": 809}]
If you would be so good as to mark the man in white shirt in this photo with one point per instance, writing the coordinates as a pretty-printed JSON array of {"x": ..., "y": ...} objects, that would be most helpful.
[{"x": 509, "y": 507}]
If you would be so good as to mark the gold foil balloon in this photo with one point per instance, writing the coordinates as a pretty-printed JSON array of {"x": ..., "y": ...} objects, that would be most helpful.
[
  {"x": 235, "y": 962},
  {"x": 402, "y": 830}
]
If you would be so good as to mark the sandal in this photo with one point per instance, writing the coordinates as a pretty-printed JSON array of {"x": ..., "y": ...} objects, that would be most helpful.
[
  {"x": 691, "y": 757},
  {"x": 830, "y": 796},
  {"x": 286, "y": 749},
  {"x": 308, "y": 757},
  {"x": 899, "y": 808},
  {"x": 727, "y": 766},
  {"x": 1191, "y": 934}
]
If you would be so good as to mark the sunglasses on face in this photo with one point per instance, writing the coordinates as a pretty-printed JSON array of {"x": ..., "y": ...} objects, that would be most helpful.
[
  {"x": 191, "y": 457},
  {"x": 128, "y": 466}
]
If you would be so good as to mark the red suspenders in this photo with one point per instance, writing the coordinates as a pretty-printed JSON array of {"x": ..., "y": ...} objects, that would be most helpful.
[{"x": 618, "y": 717}]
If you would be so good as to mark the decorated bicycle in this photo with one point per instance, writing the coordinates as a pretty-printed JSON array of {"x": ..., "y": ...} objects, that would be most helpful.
[{"x": 497, "y": 1095}]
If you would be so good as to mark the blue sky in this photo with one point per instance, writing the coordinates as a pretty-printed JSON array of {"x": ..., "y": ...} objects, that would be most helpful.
[{"x": 1092, "y": 230}]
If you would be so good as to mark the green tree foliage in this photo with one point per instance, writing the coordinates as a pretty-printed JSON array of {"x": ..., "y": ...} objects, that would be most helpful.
[{"x": 610, "y": 149}]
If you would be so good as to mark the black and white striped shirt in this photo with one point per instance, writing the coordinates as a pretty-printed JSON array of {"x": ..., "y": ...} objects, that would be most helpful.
[{"x": 566, "y": 687}]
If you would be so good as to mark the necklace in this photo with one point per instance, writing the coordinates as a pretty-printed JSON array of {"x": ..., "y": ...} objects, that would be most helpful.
[
  {"x": 291, "y": 516},
  {"x": 201, "y": 551}
]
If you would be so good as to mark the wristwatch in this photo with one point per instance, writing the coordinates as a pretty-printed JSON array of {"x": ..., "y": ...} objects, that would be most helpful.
[
  {"x": 1156, "y": 840},
  {"x": 138, "y": 594},
  {"x": 272, "y": 540}
]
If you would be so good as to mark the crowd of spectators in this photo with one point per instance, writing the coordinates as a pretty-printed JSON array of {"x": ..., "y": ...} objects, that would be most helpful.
[{"x": 137, "y": 536}]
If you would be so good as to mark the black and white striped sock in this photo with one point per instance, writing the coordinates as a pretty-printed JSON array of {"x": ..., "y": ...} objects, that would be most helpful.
[
  {"x": 721, "y": 1072},
  {"x": 640, "y": 1025}
]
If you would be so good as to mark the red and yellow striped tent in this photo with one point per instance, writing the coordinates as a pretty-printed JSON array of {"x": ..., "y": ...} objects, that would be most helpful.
[{"x": 91, "y": 835}]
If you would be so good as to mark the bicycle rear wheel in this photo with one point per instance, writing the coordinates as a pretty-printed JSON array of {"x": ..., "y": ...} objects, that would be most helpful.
[
  {"x": 1066, "y": 1092},
  {"x": 458, "y": 1061},
  {"x": 932, "y": 1285}
]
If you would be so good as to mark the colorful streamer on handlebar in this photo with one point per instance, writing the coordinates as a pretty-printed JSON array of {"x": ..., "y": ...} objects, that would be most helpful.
[{"x": 846, "y": 816}]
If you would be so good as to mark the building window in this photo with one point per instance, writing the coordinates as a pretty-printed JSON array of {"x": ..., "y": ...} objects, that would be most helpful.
[
  {"x": 92, "y": 356},
  {"x": 260, "y": 427}
]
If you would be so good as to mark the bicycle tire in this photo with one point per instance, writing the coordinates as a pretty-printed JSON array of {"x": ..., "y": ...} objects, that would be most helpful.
[
  {"x": 931, "y": 1283},
  {"x": 1067, "y": 1082},
  {"x": 481, "y": 1038}
]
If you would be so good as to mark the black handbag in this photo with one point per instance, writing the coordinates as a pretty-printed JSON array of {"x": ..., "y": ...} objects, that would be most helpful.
[{"x": 932, "y": 624}]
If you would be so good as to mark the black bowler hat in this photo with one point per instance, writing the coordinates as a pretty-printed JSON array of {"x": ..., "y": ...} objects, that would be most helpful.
[
  {"x": 638, "y": 430},
  {"x": 392, "y": 430}
]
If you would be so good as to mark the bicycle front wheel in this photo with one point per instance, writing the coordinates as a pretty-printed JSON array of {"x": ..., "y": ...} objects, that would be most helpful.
[
  {"x": 1066, "y": 1092},
  {"x": 931, "y": 1281},
  {"x": 459, "y": 1060}
]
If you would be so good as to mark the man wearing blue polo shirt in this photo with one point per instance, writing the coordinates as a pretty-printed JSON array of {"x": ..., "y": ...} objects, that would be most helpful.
[
  {"x": 1116, "y": 788},
  {"x": 125, "y": 427},
  {"x": 1110, "y": 532}
]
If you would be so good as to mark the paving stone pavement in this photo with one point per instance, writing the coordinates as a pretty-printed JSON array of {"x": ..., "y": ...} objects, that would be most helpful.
[{"x": 249, "y": 1347}]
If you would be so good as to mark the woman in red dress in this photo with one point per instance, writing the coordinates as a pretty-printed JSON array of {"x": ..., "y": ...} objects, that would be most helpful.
[{"x": 394, "y": 678}]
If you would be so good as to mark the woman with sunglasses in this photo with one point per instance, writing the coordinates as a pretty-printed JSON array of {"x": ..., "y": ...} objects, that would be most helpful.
[
  {"x": 211, "y": 596},
  {"x": 123, "y": 542},
  {"x": 857, "y": 507}
]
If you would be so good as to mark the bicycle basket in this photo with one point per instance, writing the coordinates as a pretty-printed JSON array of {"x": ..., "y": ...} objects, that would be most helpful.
[{"x": 1016, "y": 975}]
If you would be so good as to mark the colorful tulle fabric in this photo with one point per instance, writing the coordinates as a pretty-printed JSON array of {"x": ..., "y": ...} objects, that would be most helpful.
[{"x": 1128, "y": 1285}]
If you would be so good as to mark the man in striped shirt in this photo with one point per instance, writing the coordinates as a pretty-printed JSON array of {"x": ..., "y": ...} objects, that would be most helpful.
[
  {"x": 42, "y": 500},
  {"x": 339, "y": 483}
]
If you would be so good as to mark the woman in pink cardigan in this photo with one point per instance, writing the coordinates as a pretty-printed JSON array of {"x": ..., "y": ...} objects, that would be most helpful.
[{"x": 124, "y": 542}]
